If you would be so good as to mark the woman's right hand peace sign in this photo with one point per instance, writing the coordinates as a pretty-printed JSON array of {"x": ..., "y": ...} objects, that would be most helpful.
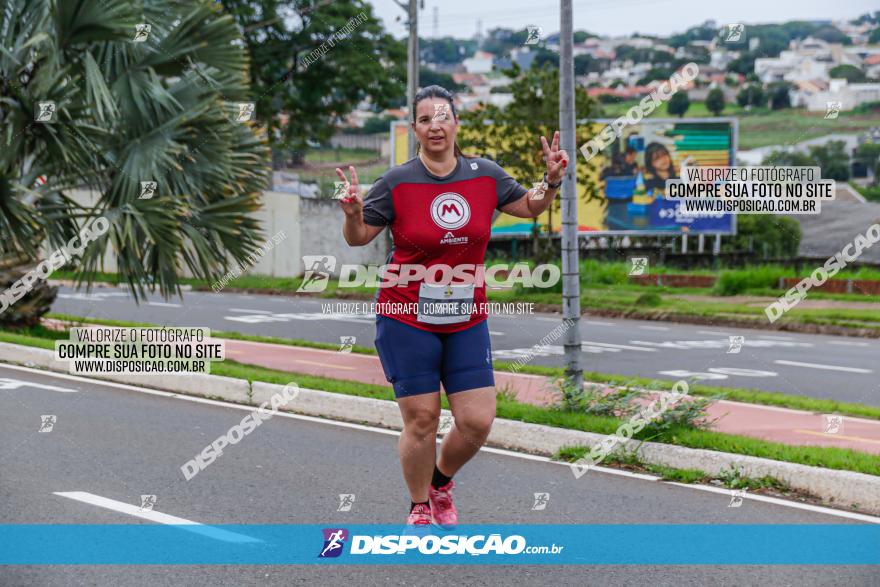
[{"x": 350, "y": 202}]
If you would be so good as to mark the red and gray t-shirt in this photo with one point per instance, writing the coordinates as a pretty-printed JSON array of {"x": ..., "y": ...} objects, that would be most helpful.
[{"x": 439, "y": 221}]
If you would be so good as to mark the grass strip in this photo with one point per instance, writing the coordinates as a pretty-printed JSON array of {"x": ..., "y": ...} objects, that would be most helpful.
[
  {"x": 507, "y": 408},
  {"x": 739, "y": 394}
]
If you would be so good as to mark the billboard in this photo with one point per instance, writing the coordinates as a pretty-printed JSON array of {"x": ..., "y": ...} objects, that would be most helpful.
[{"x": 630, "y": 176}]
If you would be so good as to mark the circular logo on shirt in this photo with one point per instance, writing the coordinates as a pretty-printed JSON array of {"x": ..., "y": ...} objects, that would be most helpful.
[{"x": 450, "y": 211}]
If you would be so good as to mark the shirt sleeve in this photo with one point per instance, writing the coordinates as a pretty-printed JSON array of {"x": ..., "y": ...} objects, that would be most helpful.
[
  {"x": 378, "y": 205},
  {"x": 507, "y": 189}
]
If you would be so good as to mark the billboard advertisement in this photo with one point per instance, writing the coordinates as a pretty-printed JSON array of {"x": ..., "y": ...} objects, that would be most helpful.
[{"x": 630, "y": 177}]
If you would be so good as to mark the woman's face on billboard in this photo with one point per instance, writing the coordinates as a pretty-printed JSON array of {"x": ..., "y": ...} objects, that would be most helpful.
[{"x": 660, "y": 161}]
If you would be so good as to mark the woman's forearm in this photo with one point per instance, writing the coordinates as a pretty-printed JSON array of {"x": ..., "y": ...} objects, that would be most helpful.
[
  {"x": 539, "y": 206},
  {"x": 354, "y": 230}
]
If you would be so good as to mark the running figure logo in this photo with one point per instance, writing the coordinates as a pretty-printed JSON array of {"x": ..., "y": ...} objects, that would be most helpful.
[
  {"x": 833, "y": 423},
  {"x": 147, "y": 502},
  {"x": 639, "y": 265},
  {"x": 736, "y": 344},
  {"x": 318, "y": 269},
  {"x": 541, "y": 501},
  {"x": 47, "y": 422},
  {"x": 346, "y": 500},
  {"x": 445, "y": 425},
  {"x": 245, "y": 111},
  {"x": 141, "y": 33},
  {"x": 45, "y": 111},
  {"x": 148, "y": 190},
  {"x": 534, "y": 35},
  {"x": 441, "y": 112},
  {"x": 736, "y": 498},
  {"x": 539, "y": 188},
  {"x": 334, "y": 540},
  {"x": 735, "y": 32},
  {"x": 346, "y": 343},
  {"x": 832, "y": 110}
]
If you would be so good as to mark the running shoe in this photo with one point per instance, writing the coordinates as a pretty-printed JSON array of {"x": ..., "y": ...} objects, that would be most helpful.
[
  {"x": 443, "y": 512},
  {"x": 419, "y": 516}
]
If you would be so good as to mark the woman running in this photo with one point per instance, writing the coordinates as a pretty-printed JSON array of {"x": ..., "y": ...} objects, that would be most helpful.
[{"x": 439, "y": 208}]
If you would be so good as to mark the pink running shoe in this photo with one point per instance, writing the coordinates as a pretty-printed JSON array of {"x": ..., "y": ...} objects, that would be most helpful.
[
  {"x": 443, "y": 512},
  {"x": 419, "y": 516}
]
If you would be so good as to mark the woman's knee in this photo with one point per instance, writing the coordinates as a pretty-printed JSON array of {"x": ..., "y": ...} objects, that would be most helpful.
[
  {"x": 476, "y": 424},
  {"x": 422, "y": 421}
]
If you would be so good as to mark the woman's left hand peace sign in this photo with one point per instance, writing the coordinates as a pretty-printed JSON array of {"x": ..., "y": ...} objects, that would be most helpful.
[{"x": 557, "y": 160}]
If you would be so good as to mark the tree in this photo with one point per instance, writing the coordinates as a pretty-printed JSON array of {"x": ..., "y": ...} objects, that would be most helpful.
[
  {"x": 751, "y": 95},
  {"x": 830, "y": 157},
  {"x": 581, "y": 36},
  {"x": 511, "y": 136},
  {"x": 833, "y": 160},
  {"x": 429, "y": 77},
  {"x": 164, "y": 110},
  {"x": 874, "y": 37},
  {"x": 769, "y": 235},
  {"x": 779, "y": 95},
  {"x": 868, "y": 154},
  {"x": 679, "y": 104},
  {"x": 715, "y": 101},
  {"x": 850, "y": 73},
  {"x": 316, "y": 60}
]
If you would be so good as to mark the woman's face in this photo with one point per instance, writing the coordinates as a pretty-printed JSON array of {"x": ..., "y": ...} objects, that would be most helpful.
[
  {"x": 660, "y": 161},
  {"x": 435, "y": 126}
]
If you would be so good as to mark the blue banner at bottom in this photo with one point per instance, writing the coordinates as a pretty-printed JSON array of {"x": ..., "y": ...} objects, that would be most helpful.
[{"x": 629, "y": 544}]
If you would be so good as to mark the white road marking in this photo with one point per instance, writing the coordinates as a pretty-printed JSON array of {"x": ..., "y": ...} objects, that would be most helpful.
[
  {"x": 712, "y": 332},
  {"x": 16, "y": 383},
  {"x": 246, "y": 311},
  {"x": 825, "y": 367},
  {"x": 550, "y": 319},
  {"x": 618, "y": 346},
  {"x": 494, "y": 333},
  {"x": 847, "y": 343},
  {"x": 784, "y": 502},
  {"x": 154, "y": 516},
  {"x": 775, "y": 501},
  {"x": 164, "y": 304},
  {"x": 768, "y": 337},
  {"x": 596, "y": 323},
  {"x": 663, "y": 328}
]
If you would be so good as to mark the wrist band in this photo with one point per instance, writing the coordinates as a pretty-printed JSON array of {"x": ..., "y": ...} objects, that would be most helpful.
[{"x": 552, "y": 186}]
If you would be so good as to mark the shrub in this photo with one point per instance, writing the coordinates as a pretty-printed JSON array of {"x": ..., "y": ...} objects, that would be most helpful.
[
  {"x": 649, "y": 300},
  {"x": 737, "y": 281}
]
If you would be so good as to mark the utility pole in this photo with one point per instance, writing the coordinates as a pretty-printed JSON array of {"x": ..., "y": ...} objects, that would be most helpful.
[
  {"x": 412, "y": 64},
  {"x": 571, "y": 287}
]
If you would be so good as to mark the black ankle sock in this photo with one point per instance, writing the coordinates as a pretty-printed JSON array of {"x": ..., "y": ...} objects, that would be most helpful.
[
  {"x": 413, "y": 504},
  {"x": 439, "y": 479}
]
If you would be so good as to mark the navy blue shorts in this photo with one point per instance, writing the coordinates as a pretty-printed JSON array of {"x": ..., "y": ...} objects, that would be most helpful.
[{"x": 417, "y": 361}]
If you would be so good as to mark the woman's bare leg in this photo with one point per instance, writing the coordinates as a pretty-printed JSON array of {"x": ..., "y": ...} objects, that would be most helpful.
[
  {"x": 474, "y": 412},
  {"x": 418, "y": 441}
]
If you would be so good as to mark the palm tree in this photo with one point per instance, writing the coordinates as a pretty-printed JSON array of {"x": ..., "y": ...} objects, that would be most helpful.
[{"x": 132, "y": 104}]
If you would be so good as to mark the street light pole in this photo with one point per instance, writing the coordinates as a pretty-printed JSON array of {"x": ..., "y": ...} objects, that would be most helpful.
[
  {"x": 412, "y": 65},
  {"x": 571, "y": 290}
]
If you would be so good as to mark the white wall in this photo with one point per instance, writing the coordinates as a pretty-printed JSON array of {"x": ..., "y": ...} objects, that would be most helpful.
[{"x": 311, "y": 226}]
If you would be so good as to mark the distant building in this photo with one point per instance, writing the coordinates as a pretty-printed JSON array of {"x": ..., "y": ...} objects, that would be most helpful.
[
  {"x": 481, "y": 62},
  {"x": 849, "y": 95}
]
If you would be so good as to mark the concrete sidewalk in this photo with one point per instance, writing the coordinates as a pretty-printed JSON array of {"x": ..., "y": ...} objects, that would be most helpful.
[{"x": 794, "y": 427}]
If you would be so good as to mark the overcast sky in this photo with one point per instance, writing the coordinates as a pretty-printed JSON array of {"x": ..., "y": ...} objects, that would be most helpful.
[{"x": 458, "y": 18}]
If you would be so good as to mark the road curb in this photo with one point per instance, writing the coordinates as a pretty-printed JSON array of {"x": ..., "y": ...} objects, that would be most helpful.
[{"x": 840, "y": 488}]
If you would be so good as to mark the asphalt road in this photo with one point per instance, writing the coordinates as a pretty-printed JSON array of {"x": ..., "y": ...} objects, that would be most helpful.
[
  {"x": 120, "y": 443},
  {"x": 834, "y": 367}
]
